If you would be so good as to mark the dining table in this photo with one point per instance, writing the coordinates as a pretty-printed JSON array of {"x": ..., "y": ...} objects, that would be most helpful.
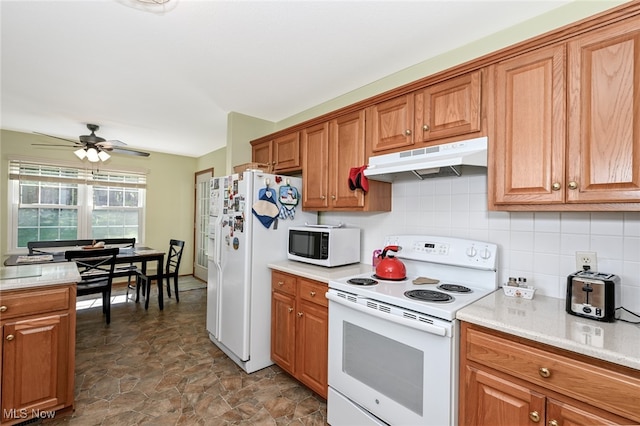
[{"x": 126, "y": 255}]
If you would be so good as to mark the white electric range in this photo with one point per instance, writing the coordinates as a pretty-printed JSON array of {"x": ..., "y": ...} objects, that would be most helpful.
[{"x": 393, "y": 345}]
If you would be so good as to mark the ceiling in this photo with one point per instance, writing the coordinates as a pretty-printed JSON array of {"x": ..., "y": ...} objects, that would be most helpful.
[{"x": 165, "y": 80}]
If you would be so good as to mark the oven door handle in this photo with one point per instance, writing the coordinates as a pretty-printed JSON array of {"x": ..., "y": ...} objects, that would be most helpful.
[{"x": 429, "y": 328}]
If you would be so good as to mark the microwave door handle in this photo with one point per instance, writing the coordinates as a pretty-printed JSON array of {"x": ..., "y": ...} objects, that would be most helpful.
[{"x": 429, "y": 328}]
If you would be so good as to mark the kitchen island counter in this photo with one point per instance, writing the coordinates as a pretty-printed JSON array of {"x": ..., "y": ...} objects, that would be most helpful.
[
  {"x": 544, "y": 319},
  {"x": 42, "y": 275},
  {"x": 320, "y": 273}
]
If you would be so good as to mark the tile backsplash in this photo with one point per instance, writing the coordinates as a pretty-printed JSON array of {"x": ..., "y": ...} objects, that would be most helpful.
[{"x": 538, "y": 245}]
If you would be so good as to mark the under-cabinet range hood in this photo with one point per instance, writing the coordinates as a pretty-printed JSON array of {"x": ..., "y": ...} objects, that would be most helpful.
[{"x": 431, "y": 161}]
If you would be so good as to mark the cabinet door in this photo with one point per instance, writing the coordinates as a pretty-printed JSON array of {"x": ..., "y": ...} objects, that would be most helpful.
[
  {"x": 391, "y": 124},
  {"x": 529, "y": 140},
  {"x": 450, "y": 108},
  {"x": 493, "y": 401},
  {"x": 604, "y": 130},
  {"x": 286, "y": 152},
  {"x": 261, "y": 154},
  {"x": 346, "y": 150},
  {"x": 560, "y": 413},
  {"x": 312, "y": 346},
  {"x": 35, "y": 364},
  {"x": 315, "y": 166},
  {"x": 283, "y": 333}
]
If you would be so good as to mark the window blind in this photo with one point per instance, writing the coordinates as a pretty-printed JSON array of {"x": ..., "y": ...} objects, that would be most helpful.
[{"x": 33, "y": 171}]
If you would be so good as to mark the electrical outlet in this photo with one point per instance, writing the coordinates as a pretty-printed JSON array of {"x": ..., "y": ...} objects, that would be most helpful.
[{"x": 586, "y": 258}]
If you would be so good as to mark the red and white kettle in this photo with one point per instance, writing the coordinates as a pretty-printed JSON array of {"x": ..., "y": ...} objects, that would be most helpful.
[{"x": 389, "y": 267}]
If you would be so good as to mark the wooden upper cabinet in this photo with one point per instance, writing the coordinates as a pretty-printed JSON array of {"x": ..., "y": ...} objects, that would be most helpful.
[
  {"x": 567, "y": 125},
  {"x": 391, "y": 123},
  {"x": 442, "y": 110},
  {"x": 315, "y": 166},
  {"x": 329, "y": 151},
  {"x": 346, "y": 150},
  {"x": 286, "y": 152},
  {"x": 281, "y": 154},
  {"x": 261, "y": 153},
  {"x": 604, "y": 115},
  {"x": 450, "y": 108},
  {"x": 529, "y": 141}
]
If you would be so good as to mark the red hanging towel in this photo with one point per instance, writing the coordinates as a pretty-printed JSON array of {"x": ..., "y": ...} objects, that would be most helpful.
[{"x": 357, "y": 179}]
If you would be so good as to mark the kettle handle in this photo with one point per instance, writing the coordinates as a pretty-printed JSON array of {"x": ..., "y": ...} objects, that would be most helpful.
[{"x": 389, "y": 248}]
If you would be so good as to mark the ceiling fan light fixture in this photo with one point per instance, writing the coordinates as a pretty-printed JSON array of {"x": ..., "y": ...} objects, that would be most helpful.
[
  {"x": 80, "y": 153},
  {"x": 103, "y": 156},
  {"x": 153, "y": 6},
  {"x": 92, "y": 155}
]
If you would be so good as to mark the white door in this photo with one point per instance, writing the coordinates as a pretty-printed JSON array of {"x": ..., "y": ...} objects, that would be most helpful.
[{"x": 201, "y": 223}]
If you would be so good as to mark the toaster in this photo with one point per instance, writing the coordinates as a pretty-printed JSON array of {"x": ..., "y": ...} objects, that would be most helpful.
[{"x": 593, "y": 295}]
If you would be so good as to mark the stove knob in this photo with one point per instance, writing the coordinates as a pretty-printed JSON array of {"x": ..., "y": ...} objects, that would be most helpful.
[
  {"x": 485, "y": 253},
  {"x": 471, "y": 251}
]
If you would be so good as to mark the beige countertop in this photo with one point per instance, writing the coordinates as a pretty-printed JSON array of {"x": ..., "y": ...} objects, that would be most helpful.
[
  {"x": 28, "y": 276},
  {"x": 544, "y": 319},
  {"x": 320, "y": 273}
]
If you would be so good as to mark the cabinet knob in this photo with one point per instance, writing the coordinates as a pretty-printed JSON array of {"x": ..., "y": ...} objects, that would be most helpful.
[
  {"x": 10, "y": 337},
  {"x": 573, "y": 185},
  {"x": 534, "y": 416},
  {"x": 333, "y": 197},
  {"x": 3, "y": 308},
  {"x": 322, "y": 197},
  {"x": 290, "y": 309},
  {"x": 544, "y": 372},
  {"x": 556, "y": 186},
  {"x": 407, "y": 132},
  {"x": 280, "y": 283},
  {"x": 425, "y": 127},
  {"x": 312, "y": 293},
  {"x": 554, "y": 423},
  {"x": 300, "y": 314},
  {"x": 273, "y": 163}
]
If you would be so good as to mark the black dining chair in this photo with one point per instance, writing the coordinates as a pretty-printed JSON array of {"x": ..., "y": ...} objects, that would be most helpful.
[
  {"x": 171, "y": 271},
  {"x": 96, "y": 269}
]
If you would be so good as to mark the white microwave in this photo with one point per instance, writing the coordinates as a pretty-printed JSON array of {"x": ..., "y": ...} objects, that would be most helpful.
[{"x": 324, "y": 246}]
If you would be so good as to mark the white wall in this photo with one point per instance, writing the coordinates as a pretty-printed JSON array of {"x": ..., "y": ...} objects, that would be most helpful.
[{"x": 540, "y": 246}]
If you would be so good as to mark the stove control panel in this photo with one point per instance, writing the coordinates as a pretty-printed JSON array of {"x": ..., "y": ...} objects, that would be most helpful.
[
  {"x": 431, "y": 248},
  {"x": 446, "y": 250}
]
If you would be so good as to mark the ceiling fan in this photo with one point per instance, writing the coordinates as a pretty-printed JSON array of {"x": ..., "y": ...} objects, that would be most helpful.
[{"x": 93, "y": 147}]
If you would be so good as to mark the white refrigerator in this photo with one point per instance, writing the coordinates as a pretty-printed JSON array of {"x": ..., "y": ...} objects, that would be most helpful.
[{"x": 243, "y": 238}]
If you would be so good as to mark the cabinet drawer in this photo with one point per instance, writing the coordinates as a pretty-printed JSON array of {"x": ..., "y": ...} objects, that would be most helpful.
[
  {"x": 313, "y": 291},
  {"x": 283, "y": 282},
  {"x": 582, "y": 381},
  {"x": 29, "y": 302}
]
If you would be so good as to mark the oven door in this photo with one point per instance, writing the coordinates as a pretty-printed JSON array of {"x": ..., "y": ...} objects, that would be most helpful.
[{"x": 399, "y": 369}]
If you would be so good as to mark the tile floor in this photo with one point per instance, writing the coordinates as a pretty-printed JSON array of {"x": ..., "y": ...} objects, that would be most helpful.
[{"x": 160, "y": 368}]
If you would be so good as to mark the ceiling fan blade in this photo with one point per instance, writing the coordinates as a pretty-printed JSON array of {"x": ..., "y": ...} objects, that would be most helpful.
[
  {"x": 130, "y": 151},
  {"x": 51, "y": 136},
  {"x": 50, "y": 144},
  {"x": 110, "y": 144}
]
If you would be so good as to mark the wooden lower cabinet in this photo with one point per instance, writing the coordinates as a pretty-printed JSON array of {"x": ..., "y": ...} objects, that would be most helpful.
[
  {"x": 506, "y": 381},
  {"x": 299, "y": 329},
  {"x": 38, "y": 352}
]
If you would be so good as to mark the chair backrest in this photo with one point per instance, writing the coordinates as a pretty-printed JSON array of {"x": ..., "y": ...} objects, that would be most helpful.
[
  {"x": 60, "y": 246},
  {"x": 174, "y": 257},
  {"x": 94, "y": 265},
  {"x": 54, "y": 246}
]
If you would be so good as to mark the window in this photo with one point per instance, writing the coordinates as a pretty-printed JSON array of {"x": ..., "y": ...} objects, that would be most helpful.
[{"x": 53, "y": 202}]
